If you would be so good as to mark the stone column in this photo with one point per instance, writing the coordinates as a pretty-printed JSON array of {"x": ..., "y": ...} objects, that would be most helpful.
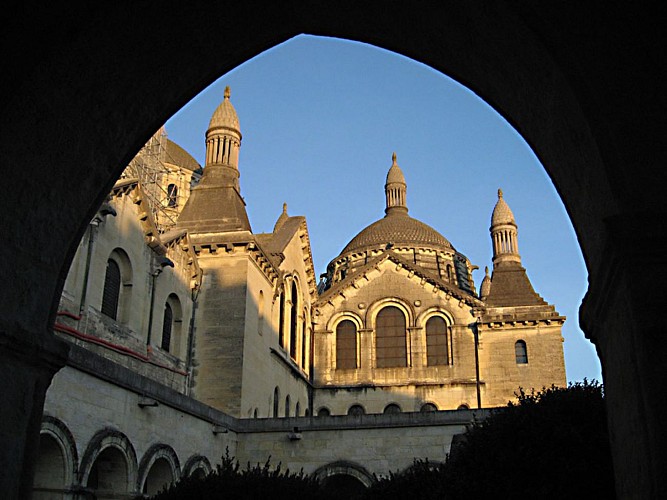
[{"x": 27, "y": 365}]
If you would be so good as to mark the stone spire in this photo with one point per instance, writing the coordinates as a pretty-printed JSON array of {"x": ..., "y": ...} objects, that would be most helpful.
[
  {"x": 504, "y": 233},
  {"x": 485, "y": 287},
  {"x": 395, "y": 190},
  {"x": 216, "y": 205}
]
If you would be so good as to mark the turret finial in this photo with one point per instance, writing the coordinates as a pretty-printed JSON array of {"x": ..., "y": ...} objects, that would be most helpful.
[
  {"x": 393, "y": 158},
  {"x": 228, "y": 92},
  {"x": 285, "y": 208},
  {"x": 500, "y": 193}
]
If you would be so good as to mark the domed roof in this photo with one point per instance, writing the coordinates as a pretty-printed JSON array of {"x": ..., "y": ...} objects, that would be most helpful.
[
  {"x": 502, "y": 213},
  {"x": 225, "y": 115},
  {"x": 398, "y": 229}
]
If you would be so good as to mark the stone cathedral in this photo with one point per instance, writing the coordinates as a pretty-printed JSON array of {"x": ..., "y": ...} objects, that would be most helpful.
[{"x": 191, "y": 333}]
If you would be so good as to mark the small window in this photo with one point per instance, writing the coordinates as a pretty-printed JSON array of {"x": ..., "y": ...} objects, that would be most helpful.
[
  {"x": 323, "y": 412},
  {"x": 521, "y": 353},
  {"x": 281, "y": 320},
  {"x": 392, "y": 409},
  {"x": 112, "y": 281},
  {"x": 463, "y": 407},
  {"x": 356, "y": 410},
  {"x": 297, "y": 409},
  {"x": 276, "y": 402},
  {"x": 172, "y": 195},
  {"x": 346, "y": 345},
  {"x": 287, "y": 406},
  {"x": 167, "y": 324}
]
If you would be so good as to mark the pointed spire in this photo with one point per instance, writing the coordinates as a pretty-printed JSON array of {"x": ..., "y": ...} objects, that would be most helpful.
[
  {"x": 228, "y": 92},
  {"x": 504, "y": 234},
  {"x": 281, "y": 219},
  {"x": 485, "y": 287},
  {"x": 395, "y": 189}
]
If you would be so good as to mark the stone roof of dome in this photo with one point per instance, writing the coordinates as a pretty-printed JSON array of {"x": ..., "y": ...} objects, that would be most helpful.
[
  {"x": 399, "y": 229},
  {"x": 501, "y": 212},
  {"x": 178, "y": 156},
  {"x": 225, "y": 115}
]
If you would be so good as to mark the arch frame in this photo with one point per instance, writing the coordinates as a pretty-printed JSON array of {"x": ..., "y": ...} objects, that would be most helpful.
[
  {"x": 345, "y": 467},
  {"x": 151, "y": 455},
  {"x": 195, "y": 462},
  {"x": 57, "y": 430},
  {"x": 109, "y": 438}
]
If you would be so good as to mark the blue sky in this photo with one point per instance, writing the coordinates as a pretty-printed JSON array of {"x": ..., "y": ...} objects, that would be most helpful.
[{"x": 320, "y": 119}]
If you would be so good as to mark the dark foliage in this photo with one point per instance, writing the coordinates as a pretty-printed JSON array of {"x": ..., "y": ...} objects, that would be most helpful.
[
  {"x": 229, "y": 480},
  {"x": 550, "y": 445}
]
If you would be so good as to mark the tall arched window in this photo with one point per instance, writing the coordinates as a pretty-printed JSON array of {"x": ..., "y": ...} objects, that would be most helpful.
[
  {"x": 297, "y": 409},
  {"x": 520, "y": 352},
  {"x": 287, "y": 406},
  {"x": 346, "y": 345},
  {"x": 260, "y": 313},
  {"x": 281, "y": 320},
  {"x": 276, "y": 401},
  {"x": 167, "y": 324},
  {"x": 390, "y": 338},
  {"x": 111, "y": 294},
  {"x": 437, "y": 352},
  {"x": 172, "y": 195},
  {"x": 294, "y": 321},
  {"x": 172, "y": 323}
]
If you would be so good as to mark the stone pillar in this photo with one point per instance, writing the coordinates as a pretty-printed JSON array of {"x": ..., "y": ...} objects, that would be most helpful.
[
  {"x": 622, "y": 315},
  {"x": 27, "y": 365}
]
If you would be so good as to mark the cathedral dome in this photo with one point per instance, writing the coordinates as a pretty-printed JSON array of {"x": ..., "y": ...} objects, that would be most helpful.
[
  {"x": 502, "y": 214},
  {"x": 225, "y": 115},
  {"x": 399, "y": 230}
]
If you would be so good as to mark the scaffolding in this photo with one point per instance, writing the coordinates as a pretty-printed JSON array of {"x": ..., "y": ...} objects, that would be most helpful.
[{"x": 150, "y": 169}]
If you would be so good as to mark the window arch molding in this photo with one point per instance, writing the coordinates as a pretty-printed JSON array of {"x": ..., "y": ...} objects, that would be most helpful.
[
  {"x": 424, "y": 316},
  {"x": 436, "y": 355},
  {"x": 375, "y": 308},
  {"x": 344, "y": 315}
]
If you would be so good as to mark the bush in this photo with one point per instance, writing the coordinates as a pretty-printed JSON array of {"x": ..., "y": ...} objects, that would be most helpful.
[
  {"x": 253, "y": 482},
  {"x": 551, "y": 444}
]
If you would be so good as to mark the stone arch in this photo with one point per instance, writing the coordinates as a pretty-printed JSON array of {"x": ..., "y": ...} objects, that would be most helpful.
[
  {"x": 424, "y": 316},
  {"x": 172, "y": 325},
  {"x": 377, "y": 306},
  {"x": 344, "y": 467},
  {"x": 196, "y": 463},
  {"x": 119, "y": 293},
  {"x": 57, "y": 461},
  {"x": 158, "y": 466},
  {"x": 114, "y": 445}
]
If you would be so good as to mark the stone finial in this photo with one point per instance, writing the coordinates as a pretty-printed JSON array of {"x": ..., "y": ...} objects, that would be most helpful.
[
  {"x": 393, "y": 158},
  {"x": 228, "y": 92},
  {"x": 285, "y": 208},
  {"x": 500, "y": 193}
]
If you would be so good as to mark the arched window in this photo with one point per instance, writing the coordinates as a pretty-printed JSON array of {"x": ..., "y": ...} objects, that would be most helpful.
[
  {"x": 260, "y": 313},
  {"x": 297, "y": 409},
  {"x": 254, "y": 413},
  {"x": 520, "y": 352},
  {"x": 281, "y": 320},
  {"x": 437, "y": 352},
  {"x": 356, "y": 410},
  {"x": 172, "y": 195},
  {"x": 294, "y": 321},
  {"x": 463, "y": 407},
  {"x": 111, "y": 294},
  {"x": 346, "y": 345},
  {"x": 323, "y": 412},
  {"x": 392, "y": 408},
  {"x": 287, "y": 406},
  {"x": 172, "y": 322},
  {"x": 167, "y": 324},
  {"x": 390, "y": 343},
  {"x": 428, "y": 407},
  {"x": 305, "y": 334},
  {"x": 276, "y": 401}
]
